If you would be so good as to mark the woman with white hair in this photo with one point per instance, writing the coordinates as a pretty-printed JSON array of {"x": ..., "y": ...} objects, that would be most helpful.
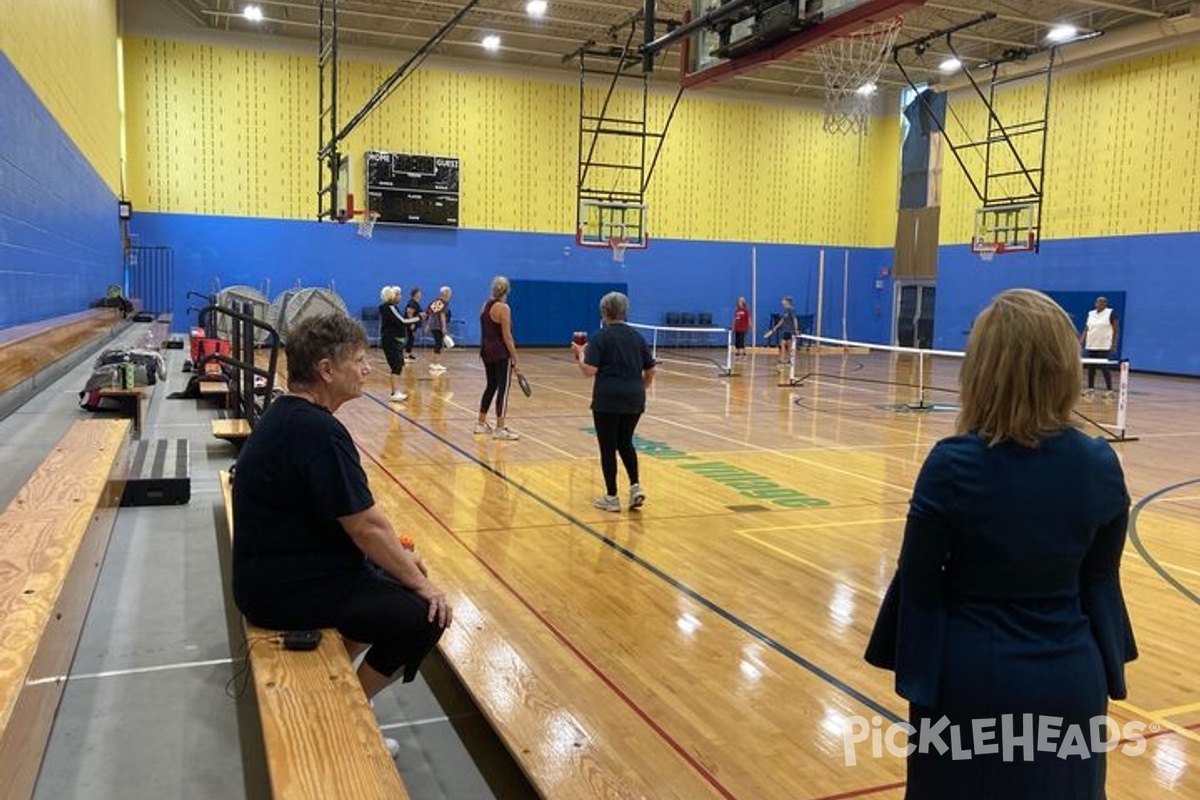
[
  {"x": 499, "y": 354},
  {"x": 393, "y": 333}
]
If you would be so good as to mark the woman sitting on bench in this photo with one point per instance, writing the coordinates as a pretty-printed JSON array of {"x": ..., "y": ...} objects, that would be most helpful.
[{"x": 311, "y": 548}]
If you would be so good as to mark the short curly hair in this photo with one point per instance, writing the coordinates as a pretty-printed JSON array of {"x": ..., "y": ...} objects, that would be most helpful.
[{"x": 332, "y": 336}]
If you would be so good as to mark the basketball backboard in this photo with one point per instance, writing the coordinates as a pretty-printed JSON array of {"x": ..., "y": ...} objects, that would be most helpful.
[{"x": 740, "y": 36}]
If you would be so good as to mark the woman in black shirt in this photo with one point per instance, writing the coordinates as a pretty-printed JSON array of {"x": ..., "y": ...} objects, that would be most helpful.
[
  {"x": 311, "y": 549},
  {"x": 620, "y": 360}
]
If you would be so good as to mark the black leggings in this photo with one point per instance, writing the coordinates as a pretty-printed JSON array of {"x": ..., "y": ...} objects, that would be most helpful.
[
  {"x": 497, "y": 384},
  {"x": 1104, "y": 370},
  {"x": 614, "y": 432},
  {"x": 366, "y": 606},
  {"x": 739, "y": 340}
]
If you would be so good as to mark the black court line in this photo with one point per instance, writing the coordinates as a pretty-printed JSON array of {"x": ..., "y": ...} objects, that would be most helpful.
[
  {"x": 672, "y": 581},
  {"x": 1141, "y": 548}
]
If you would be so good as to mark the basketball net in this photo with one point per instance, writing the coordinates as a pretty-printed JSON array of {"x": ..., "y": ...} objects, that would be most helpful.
[
  {"x": 851, "y": 65},
  {"x": 366, "y": 225},
  {"x": 618, "y": 245},
  {"x": 988, "y": 250}
]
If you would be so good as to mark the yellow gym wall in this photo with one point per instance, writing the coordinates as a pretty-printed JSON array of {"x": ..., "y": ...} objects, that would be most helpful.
[
  {"x": 1123, "y": 155},
  {"x": 228, "y": 131},
  {"x": 66, "y": 50}
]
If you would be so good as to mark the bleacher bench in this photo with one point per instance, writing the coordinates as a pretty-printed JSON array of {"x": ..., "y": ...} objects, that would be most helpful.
[
  {"x": 319, "y": 733},
  {"x": 236, "y": 431},
  {"x": 53, "y": 537}
]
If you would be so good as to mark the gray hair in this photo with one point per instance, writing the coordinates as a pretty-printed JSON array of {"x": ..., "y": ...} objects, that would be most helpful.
[
  {"x": 445, "y": 290},
  {"x": 500, "y": 287},
  {"x": 614, "y": 306},
  {"x": 334, "y": 336}
]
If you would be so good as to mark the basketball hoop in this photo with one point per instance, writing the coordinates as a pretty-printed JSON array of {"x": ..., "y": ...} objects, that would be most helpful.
[
  {"x": 851, "y": 65},
  {"x": 366, "y": 225},
  {"x": 618, "y": 245}
]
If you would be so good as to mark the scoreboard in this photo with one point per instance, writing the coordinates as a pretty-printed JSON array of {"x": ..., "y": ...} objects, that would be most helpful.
[{"x": 408, "y": 189}]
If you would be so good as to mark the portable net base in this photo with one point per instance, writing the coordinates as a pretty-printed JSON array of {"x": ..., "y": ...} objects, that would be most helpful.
[{"x": 851, "y": 65}]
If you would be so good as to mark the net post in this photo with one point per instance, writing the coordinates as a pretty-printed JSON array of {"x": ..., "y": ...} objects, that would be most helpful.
[
  {"x": 729, "y": 352},
  {"x": 820, "y": 289},
  {"x": 1123, "y": 398},
  {"x": 920, "y": 379}
]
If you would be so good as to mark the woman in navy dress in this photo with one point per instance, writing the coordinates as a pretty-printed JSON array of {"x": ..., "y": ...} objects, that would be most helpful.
[{"x": 1006, "y": 603}]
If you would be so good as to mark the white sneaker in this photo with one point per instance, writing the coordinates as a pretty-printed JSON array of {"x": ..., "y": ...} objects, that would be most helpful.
[
  {"x": 609, "y": 502},
  {"x": 636, "y": 497},
  {"x": 436, "y": 368},
  {"x": 482, "y": 427},
  {"x": 506, "y": 434},
  {"x": 393, "y": 746},
  {"x": 398, "y": 397},
  {"x": 1088, "y": 394}
]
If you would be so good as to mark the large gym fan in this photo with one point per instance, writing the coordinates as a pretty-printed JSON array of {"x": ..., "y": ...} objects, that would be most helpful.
[
  {"x": 295, "y": 305},
  {"x": 242, "y": 295}
]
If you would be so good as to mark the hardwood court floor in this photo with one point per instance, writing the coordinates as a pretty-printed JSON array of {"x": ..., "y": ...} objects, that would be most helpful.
[{"x": 730, "y": 615}]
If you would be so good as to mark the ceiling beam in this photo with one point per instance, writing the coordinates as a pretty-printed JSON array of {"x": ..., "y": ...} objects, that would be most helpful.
[{"x": 1145, "y": 12}]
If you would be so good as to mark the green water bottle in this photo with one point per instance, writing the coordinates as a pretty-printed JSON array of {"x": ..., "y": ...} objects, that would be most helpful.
[{"x": 127, "y": 380}]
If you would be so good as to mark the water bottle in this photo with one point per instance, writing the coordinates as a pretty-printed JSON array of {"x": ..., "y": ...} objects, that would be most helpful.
[{"x": 127, "y": 380}]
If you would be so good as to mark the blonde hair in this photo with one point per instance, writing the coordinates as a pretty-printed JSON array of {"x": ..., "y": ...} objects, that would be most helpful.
[
  {"x": 389, "y": 294},
  {"x": 500, "y": 287},
  {"x": 1021, "y": 374}
]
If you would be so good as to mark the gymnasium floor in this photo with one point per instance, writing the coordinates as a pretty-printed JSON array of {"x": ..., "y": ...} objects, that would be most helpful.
[{"x": 731, "y": 624}]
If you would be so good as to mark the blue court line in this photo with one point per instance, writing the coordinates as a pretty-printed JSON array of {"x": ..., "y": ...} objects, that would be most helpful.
[
  {"x": 1141, "y": 548},
  {"x": 675, "y": 583}
]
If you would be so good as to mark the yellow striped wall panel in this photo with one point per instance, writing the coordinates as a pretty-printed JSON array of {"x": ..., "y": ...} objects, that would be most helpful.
[
  {"x": 66, "y": 50},
  {"x": 1123, "y": 154},
  {"x": 221, "y": 130}
]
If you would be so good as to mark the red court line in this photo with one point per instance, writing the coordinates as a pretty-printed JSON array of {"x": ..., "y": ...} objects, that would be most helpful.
[
  {"x": 562, "y": 637},
  {"x": 883, "y": 787}
]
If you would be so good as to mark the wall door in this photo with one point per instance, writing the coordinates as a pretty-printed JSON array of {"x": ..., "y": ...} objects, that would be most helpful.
[{"x": 915, "y": 302}]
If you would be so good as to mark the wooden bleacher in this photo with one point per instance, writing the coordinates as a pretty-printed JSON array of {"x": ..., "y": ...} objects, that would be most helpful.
[
  {"x": 319, "y": 732},
  {"x": 235, "y": 431},
  {"x": 26, "y": 350},
  {"x": 53, "y": 537}
]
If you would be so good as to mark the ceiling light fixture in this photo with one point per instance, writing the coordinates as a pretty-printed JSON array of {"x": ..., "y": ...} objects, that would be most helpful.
[
  {"x": 1062, "y": 33},
  {"x": 866, "y": 90},
  {"x": 536, "y": 8},
  {"x": 252, "y": 13},
  {"x": 950, "y": 65},
  {"x": 491, "y": 42}
]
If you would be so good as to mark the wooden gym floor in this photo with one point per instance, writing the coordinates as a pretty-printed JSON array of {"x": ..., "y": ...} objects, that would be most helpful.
[{"x": 731, "y": 625}]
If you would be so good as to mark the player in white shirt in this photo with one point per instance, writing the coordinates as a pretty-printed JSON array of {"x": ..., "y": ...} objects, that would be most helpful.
[{"x": 1099, "y": 340}]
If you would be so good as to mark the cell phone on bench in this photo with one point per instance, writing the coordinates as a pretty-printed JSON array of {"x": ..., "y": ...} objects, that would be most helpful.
[{"x": 301, "y": 640}]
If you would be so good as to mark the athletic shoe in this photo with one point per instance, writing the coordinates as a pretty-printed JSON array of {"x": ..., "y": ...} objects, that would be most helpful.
[
  {"x": 506, "y": 435},
  {"x": 393, "y": 746},
  {"x": 1088, "y": 394},
  {"x": 482, "y": 427},
  {"x": 409, "y": 357},
  {"x": 636, "y": 497},
  {"x": 1109, "y": 396},
  {"x": 609, "y": 502},
  {"x": 398, "y": 397}
]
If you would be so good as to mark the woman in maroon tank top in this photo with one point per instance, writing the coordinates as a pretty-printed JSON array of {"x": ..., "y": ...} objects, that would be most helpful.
[{"x": 498, "y": 352}]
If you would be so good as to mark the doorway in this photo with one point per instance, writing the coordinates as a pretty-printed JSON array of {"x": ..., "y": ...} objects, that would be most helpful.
[{"x": 915, "y": 302}]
